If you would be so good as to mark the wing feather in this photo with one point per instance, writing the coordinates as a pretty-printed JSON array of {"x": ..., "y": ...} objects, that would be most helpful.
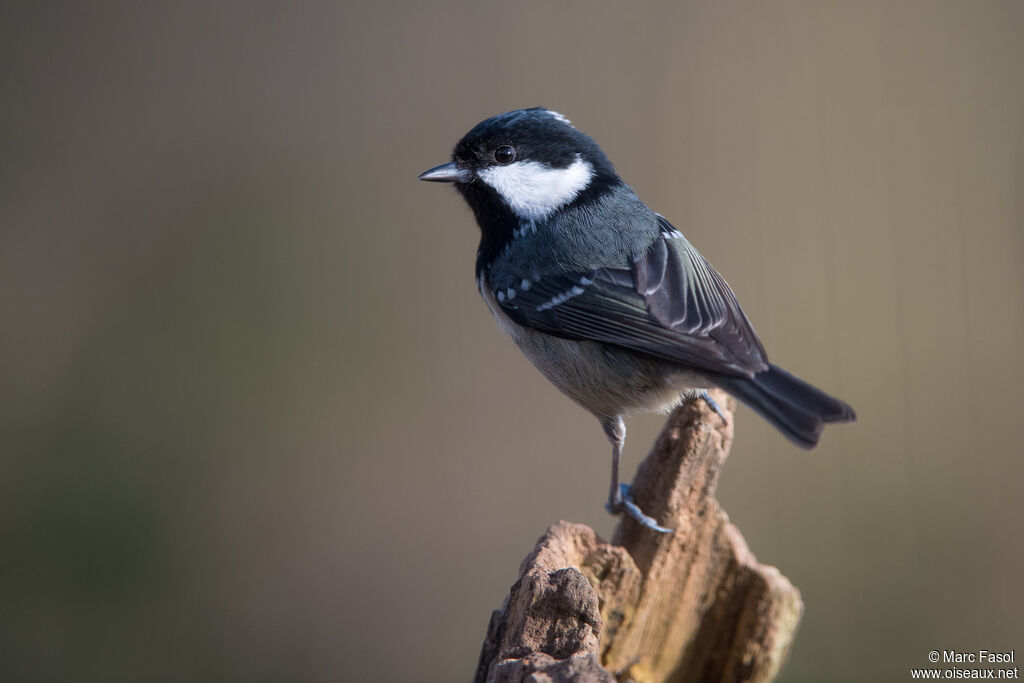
[{"x": 671, "y": 304}]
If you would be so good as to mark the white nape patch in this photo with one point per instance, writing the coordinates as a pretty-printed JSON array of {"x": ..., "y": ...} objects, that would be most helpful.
[
  {"x": 560, "y": 117},
  {"x": 534, "y": 190}
]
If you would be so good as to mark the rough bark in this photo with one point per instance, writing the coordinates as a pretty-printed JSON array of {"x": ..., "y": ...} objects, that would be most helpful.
[{"x": 693, "y": 605}]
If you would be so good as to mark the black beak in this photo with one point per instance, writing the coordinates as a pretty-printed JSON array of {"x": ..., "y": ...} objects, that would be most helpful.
[{"x": 446, "y": 173}]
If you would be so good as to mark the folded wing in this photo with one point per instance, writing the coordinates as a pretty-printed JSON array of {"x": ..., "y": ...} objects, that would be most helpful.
[{"x": 671, "y": 304}]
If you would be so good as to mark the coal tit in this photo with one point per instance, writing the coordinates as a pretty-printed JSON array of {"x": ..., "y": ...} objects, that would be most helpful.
[{"x": 606, "y": 298}]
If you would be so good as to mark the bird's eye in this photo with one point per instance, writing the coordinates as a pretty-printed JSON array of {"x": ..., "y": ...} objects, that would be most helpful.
[{"x": 505, "y": 154}]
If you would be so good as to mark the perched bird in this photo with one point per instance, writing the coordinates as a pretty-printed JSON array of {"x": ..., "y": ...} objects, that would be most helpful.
[{"x": 606, "y": 298}]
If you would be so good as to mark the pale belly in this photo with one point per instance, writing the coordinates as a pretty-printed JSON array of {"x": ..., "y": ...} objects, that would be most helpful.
[{"x": 606, "y": 380}]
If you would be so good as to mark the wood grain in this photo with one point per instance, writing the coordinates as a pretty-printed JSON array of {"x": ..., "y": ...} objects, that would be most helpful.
[{"x": 694, "y": 605}]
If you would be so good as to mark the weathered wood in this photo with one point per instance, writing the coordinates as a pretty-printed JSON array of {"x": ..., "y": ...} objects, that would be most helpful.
[{"x": 693, "y": 605}]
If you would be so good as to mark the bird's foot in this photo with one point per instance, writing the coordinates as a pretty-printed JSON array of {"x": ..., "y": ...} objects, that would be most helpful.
[
  {"x": 625, "y": 505},
  {"x": 713, "y": 404}
]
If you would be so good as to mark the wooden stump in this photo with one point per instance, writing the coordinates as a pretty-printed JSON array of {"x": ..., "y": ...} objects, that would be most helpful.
[{"x": 693, "y": 605}]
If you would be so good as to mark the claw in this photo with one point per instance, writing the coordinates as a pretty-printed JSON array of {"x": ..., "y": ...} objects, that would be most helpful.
[
  {"x": 713, "y": 404},
  {"x": 628, "y": 506}
]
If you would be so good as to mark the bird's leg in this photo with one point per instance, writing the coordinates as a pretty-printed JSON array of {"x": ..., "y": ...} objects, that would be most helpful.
[
  {"x": 619, "y": 498},
  {"x": 615, "y": 430},
  {"x": 712, "y": 403}
]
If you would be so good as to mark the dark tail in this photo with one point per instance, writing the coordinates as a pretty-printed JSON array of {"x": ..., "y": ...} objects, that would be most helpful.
[{"x": 797, "y": 409}]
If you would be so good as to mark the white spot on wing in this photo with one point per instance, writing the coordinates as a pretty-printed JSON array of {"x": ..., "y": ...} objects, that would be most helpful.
[
  {"x": 506, "y": 324},
  {"x": 534, "y": 190},
  {"x": 669, "y": 232},
  {"x": 559, "y": 299}
]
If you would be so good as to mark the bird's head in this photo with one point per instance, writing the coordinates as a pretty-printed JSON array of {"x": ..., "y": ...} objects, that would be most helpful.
[{"x": 525, "y": 165}]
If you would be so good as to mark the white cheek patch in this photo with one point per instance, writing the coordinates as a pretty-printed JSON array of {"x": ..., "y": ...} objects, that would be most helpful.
[{"x": 534, "y": 190}]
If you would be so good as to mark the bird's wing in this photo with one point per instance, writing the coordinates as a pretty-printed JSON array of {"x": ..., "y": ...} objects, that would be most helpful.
[{"x": 671, "y": 304}]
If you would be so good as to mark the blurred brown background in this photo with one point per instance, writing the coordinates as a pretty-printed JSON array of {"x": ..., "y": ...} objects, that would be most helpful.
[{"x": 256, "y": 424}]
